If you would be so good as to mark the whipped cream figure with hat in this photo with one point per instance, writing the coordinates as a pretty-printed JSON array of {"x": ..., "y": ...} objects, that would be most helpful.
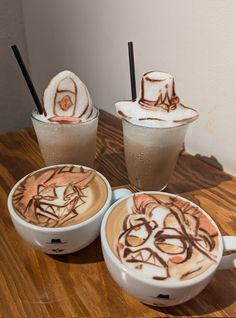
[
  {"x": 154, "y": 127},
  {"x": 157, "y": 103}
]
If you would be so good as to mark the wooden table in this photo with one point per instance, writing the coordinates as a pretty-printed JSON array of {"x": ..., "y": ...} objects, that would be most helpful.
[{"x": 33, "y": 284}]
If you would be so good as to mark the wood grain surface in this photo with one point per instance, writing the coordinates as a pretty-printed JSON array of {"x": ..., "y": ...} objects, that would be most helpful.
[{"x": 33, "y": 284}]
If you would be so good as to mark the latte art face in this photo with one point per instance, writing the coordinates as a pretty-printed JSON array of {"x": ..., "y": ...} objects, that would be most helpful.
[
  {"x": 60, "y": 196},
  {"x": 162, "y": 237}
]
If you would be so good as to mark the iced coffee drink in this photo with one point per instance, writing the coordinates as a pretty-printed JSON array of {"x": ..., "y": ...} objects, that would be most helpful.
[
  {"x": 154, "y": 127},
  {"x": 67, "y": 129}
]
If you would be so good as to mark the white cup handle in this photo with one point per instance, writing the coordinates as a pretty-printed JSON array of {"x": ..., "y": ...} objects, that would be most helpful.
[
  {"x": 228, "y": 261},
  {"x": 119, "y": 194}
]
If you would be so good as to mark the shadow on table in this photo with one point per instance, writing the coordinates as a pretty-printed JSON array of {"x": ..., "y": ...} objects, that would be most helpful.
[
  {"x": 218, "y": 295},
  {"x": 191, "y": 172},
  {"x": 211, "y": 160},
  {"x": 195, "y": 173},
  {"x": 88, "y": 255}
]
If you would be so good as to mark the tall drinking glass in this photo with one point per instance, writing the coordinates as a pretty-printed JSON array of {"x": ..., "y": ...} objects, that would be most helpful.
[
  {"x": 151, "y": 154},
  {"x": 73, "y": 143}
]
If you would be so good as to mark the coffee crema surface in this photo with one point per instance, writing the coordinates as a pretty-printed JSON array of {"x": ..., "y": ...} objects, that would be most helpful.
[
  {"x": 162, "y": 237},
  {"x": 60, "y": 196}
]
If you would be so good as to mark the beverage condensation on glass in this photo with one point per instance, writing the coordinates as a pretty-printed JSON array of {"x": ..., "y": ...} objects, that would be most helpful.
[
  {"x": 67, "y": 126},
  {"x": 154, "y": 128},
  {"x": 73, "y": 143},
  {"x": 151, "y": 154}
]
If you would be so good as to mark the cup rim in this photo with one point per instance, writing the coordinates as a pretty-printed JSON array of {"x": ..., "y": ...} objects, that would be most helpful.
[
  {"x": 176, "y": 284},
  {"x": 62, "y": 228},
  {"x": 35, "y": 111}
]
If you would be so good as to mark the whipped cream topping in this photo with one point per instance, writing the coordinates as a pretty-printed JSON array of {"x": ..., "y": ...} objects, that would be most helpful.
[
  {"x": 67, "y": 100},
  {"x": 157, "y": 104}
]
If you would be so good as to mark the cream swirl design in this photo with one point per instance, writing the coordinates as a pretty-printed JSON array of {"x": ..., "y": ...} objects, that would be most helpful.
[
  {"x": 157, "y": 104},
  {"x": 67, "y": 100},
  {"x": 60, "y": 196},
  {"x": 162, "y": 237}
]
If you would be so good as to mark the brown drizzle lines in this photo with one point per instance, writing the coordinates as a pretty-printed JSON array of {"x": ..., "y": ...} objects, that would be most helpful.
[
  {"x": 191, "y": 272},
  {"x": 127, "y": 252},
  {"x": 165, "y": 102},
  {"x": 41, "y": 202},
  {"x": 90, "y": 113},
  {"x": 122, "y": 114},
  {"x": 150, "y": 118},
  {"x": 87, "y": 106},
  {"x": 84, "y": 110},
  {"x": 187, "y": 236},
  {"x": 59, "y": 91},
  {"x": 179, "y": 210}
]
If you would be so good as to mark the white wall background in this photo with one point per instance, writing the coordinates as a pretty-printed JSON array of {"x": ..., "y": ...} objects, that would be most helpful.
[
  {"x": 15, "y": 102},
  {"x": 195, "y": 40}
]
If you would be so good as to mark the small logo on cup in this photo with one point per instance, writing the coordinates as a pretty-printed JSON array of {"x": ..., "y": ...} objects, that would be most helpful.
[
  {"x": 163, "y": 296},
  {"x": 56, "y": 241}
]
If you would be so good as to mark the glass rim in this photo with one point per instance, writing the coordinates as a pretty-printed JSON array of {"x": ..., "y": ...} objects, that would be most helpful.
[{"x": 34, "y": 111}]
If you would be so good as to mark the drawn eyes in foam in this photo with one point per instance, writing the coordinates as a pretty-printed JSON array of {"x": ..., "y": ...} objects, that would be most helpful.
[
  {"x": 56, "y": 195},
  {"x": 138, "y": 234},
  {"x": 170, "y": 242},
  {"x": 164, "y": 241},
  {"x": 149, "y": 243}
]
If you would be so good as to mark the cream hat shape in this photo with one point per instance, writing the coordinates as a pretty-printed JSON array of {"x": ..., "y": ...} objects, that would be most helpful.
[{"x": 157, "y": 103}]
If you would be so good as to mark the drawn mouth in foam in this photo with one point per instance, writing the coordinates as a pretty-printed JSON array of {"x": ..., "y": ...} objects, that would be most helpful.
[
  {"x": 169, "y": 239},
  {"x": 59, "y": 196}
]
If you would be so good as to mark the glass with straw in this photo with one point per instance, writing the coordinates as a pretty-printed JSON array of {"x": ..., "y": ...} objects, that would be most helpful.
[
  {"x": 64, "y": 139},
  {"x": 151, "y": 151}
]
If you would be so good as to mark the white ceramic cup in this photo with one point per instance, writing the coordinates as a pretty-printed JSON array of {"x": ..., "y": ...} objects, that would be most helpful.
[
  {"x": 164, "y": 293},
  {"x": 68, "y": 239}
]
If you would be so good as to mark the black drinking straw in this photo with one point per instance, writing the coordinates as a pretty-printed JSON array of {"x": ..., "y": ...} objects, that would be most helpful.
[
  {"x": 132, "y": 70},
  {"x": 27, "y": 78}
]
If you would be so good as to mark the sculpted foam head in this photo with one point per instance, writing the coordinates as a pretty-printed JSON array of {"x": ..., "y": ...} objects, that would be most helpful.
[
  {"x": 67, "y": 100},
  {"x": 157, "y": 103}
]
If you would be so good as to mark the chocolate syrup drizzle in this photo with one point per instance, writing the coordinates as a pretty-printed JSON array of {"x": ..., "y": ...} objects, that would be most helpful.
[
  {"x": 166, "y": 102},
  {"x": 66, "y": 91},
  {"x": 190, "y": 233},
  {"x": 35, "y": 199}
]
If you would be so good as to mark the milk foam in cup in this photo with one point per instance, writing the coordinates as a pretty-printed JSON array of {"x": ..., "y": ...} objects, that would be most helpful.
[
  {"x": 154, "y": 127},
  {"x": 163, "y": 249},
  {"x": 59, "y": 209},
  {"x": 60, "y": 196},
  {"x": 67, "y": 129}
]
